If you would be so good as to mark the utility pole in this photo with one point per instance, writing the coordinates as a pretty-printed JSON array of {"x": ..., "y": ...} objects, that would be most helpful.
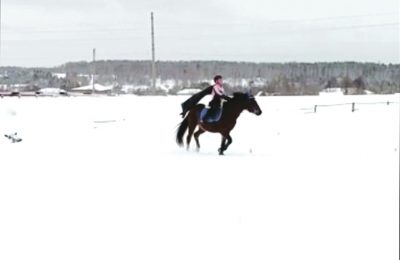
[
  {"x": 153, "y": 66},
  {"x": 93, "y": 69},
  {"x": 0, "y": 32}
]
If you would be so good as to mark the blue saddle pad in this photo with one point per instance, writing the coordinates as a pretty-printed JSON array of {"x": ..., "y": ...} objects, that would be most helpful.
[{"x": 210, "y": 119}]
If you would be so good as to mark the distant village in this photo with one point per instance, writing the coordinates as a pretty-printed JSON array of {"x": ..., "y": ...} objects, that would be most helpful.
[
  {"x": 162, "y": 87},
  {"x": 187, "y": 78}
]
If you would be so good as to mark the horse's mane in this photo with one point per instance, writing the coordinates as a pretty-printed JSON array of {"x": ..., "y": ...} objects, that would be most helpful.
[
  {"x": 237, "y": 97},
  {"x": 239, "y": 94}
]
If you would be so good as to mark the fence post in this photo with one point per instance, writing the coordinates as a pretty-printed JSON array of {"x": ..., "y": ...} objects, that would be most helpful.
[
  {"x": 353, "y": 107},
  {"x": 315, "y": 109}
]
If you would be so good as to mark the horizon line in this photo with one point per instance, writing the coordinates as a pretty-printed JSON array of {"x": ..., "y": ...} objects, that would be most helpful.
[{"x": 194, "y": 60}]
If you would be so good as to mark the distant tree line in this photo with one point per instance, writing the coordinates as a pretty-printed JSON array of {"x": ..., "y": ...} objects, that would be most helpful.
[{"x": 270, "y": 78}]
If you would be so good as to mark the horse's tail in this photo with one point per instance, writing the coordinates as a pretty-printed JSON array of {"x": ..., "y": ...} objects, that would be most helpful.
[{"x": 181, "y": 130}]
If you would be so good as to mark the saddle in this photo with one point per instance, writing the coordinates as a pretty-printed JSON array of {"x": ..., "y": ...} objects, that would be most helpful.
[{"x": 206, "y": 117}]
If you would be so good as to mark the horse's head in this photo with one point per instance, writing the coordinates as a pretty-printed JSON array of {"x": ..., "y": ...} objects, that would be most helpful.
[{"x": 248, "y": 101}]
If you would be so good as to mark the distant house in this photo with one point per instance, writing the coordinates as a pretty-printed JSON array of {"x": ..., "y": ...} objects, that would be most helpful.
[
  {"x": 133, "y": 88},
  {"x": 346, "y": 86},
  {"x": 59, "y": 75},
  {"x": 14, "y": 89},
  {"x": 51, "y": 92},
  {"x": 97, "y": 88}
]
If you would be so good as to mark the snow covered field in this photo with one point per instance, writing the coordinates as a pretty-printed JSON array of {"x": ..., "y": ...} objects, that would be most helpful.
[{"x": 102, "y": 178}]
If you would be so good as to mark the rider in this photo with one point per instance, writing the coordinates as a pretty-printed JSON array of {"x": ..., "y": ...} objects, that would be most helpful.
[{"x": 218, "y": 94}]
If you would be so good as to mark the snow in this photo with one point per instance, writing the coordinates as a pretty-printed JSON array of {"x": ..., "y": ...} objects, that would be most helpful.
[
  {"x": 102, "y": 178},
  {"x": 331, "y": 91},
  {"x": 188, "y": 91}
]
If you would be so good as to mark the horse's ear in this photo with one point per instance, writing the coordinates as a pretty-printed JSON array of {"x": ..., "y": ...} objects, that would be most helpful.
[{"x": 248, "y": 93}]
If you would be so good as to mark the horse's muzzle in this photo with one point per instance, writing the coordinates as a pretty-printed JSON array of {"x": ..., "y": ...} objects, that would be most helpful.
[{"x": 257, "y": 112}]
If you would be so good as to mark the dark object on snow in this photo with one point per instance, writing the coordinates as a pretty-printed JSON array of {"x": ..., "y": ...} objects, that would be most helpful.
[
  {"x": 14, "y": 138},
  {"x": 15, "y": 94},
  {"x": 193, "y": 100}
]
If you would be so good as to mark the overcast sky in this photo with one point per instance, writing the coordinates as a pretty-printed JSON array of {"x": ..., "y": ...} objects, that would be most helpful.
[{"x": 52, "y": 32}]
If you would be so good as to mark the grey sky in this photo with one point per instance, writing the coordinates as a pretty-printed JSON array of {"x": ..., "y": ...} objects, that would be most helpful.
[{"x": 49, "y": 32}]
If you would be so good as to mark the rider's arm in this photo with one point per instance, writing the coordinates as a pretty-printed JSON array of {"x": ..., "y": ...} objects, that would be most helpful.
[
  {"x": 225, "y": 97},
  {"x": 220, "y": 92}
]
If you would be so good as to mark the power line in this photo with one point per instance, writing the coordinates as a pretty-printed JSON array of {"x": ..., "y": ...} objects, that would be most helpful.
[
  {"x": 103, "y": 30},
  {"x": 337, "y": 17},
  {"x": 203, "y": 23},
  {"x": 255, "y": 31}
]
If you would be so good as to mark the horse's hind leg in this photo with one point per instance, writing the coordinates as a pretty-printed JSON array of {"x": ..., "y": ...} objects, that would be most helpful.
[
  {"x": 196, "y": 137},
  {"x": 189, "y": 137},
  {"x": 192, "y": 126}
]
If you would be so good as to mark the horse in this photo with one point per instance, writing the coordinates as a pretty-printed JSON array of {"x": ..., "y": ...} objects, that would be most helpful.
[{"x": 231, "y": 110}]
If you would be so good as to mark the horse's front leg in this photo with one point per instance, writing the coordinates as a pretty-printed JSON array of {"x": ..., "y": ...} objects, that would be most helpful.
[
  {"x": 223, "y": 146},
  {"x": 225, "y": 142},
  {"x": 229, "y": 141}
]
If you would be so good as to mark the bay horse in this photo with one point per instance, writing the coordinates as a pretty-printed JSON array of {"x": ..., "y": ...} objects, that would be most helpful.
[{"x": 230, "y": 112}]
